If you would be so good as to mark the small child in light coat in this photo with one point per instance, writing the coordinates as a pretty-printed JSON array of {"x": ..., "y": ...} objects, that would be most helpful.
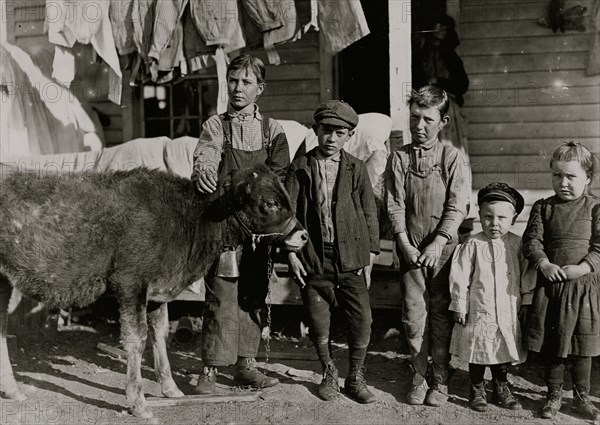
[{"x": 487, "y": 293}]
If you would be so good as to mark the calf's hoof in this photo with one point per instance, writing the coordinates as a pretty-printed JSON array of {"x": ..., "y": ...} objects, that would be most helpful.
[
  {"x": 15, "y": 395},
  {"x": 172, "y": 392},
  {"x": 141, "y": 412}
]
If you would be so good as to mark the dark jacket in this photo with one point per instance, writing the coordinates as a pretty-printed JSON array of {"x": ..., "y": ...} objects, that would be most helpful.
[{"x": 354, "y": 212}]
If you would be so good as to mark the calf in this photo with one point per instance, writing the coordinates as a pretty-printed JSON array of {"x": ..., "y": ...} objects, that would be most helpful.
[{"x": 144, "y": 235}]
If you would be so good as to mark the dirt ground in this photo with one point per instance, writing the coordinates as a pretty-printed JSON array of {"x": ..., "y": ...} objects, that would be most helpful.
[{"x": 68, "y": 380}]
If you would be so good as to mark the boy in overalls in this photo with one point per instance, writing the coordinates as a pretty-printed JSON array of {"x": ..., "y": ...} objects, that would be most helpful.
[
  {"x": 237, "y": 139},
  {"x": 427, "y": 199}
]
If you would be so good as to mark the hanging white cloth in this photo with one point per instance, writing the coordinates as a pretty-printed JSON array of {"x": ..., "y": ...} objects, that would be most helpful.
[
  {"x": 86, "y": 22},
  {"x": 39, "y": 115}
]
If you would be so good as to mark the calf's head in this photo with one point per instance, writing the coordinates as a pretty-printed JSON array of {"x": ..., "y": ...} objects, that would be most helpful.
[{"x": 263, "y": 208}]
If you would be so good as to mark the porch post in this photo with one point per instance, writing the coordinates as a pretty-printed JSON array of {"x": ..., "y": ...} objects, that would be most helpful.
[{"x": 400, "y": 69}]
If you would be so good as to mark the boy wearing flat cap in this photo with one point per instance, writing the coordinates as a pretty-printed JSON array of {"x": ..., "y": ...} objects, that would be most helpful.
[
  {"x": 487, "y": 292},
  {"x": 334, "y": 201}
]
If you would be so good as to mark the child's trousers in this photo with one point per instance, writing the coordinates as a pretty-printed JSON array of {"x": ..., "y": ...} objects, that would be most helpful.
[
  {"x": 350, "y": 291},
  {"x": 427, "y": 320}
]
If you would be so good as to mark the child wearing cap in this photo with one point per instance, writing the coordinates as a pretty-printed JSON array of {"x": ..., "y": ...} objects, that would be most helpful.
[
  {"x": 487, "y": 293},
  {"x": 334, "y": 201},
  {"x": 239, "y": 138},
  {"x": 427, "y": 195}
]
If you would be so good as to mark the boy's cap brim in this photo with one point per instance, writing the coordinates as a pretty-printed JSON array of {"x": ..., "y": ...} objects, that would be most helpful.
[{"x": 337, "y": 113}]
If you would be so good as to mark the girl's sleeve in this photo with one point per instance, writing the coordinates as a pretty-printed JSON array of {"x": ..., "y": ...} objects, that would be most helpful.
[
  {"x": 533, "y": 238},
  {"x": 593, "y": 256},
  {"x": 460, "y": 277}
]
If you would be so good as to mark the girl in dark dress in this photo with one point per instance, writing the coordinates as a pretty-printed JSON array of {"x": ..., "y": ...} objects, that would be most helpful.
[{"x": 562, "y": 239}]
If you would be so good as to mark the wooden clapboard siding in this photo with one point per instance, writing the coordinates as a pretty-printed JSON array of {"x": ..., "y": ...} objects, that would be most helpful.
[
  {"x": 491, "y": 95},
  {"x": 529, "y": 91},
  {"x": 525, "y": 62},
  {"x": 511, "y": 147},
  {"x": 568, "y": 42},
  {"x": 294, "y": 87},
  {"x": 544, "y": 113}
]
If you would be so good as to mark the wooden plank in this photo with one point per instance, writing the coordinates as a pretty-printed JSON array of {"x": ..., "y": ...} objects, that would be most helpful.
[
  {"x": 270, "y": 103},
  {"x": 525, "y": 62},
  {"x": 465, "y": 3},
  {"x": 569, "y": 42},
  {"x": 533, "y": 113},
  {"x": 567, "y": 129},
  {"x": 498, "y": 12},
  {"x": 309, "y": 54},
  {"x": 552, "y": 81},
  {"x": 293, "y": 72},
  {"x": 288, "y": 355},
  {"x": 230, "y": 397},
  {"x": 523, "y": 164},
  {"x": 303, "y": 117},
  {"x": 520, "y": 180},
  {"x": 492, "y": 95},
  {"x": 115, "y": 352},
  {"x": 524, "y": 28},
  {"x": 292, "y": 88},
  {"x": 511, "y": 147}
]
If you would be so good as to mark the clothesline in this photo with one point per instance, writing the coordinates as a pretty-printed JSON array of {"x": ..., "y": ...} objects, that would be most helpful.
[{"x": 170, "y": 38}]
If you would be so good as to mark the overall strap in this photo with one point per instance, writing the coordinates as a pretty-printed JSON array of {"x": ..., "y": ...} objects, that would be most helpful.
[
  {"x": 443, "y": 165},
  {"x": 266, "y": 132},
  {"x": 226, "y": 125}
]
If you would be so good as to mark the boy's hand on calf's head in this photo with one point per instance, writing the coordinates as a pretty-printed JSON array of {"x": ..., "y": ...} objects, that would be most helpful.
[{"x": 207, "y": 182}]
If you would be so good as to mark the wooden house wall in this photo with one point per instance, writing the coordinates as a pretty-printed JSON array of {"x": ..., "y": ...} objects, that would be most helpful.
[
  {"x": 294, "y": 89},
  {"x": 528, "y": 92}
]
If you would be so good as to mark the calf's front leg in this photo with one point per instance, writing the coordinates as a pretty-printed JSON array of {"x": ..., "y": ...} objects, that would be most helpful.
[
  {"x": 159, "y": 331},
  {"x": 8, "y": 385},
  {"x": 134, "y": 330}
]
